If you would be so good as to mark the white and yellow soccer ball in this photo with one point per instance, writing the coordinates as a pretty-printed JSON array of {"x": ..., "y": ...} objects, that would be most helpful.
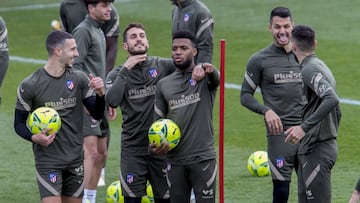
[
  {"x": 164, "y": 130},
  {"x": 44, "y": 118},
  {"x": 113, "y": 193},
  {"x": 258, "y": 164},
  {"x": 149, "y": 197}
]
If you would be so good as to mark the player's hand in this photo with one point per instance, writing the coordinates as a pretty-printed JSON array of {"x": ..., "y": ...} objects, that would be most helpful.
[
  {"x": 111, "y": 113},
  {"x": 273, "y": 122},
  {"x": 43, "y": 139},
  {"x": 133, "y": 60},
  {"x": 355, "y": 196},
  {"x": 294, "y": 134},
  {"x": 198, "y": 73},
  {"x": 97, "y": 84},
  {"x": 162, "y": 149},
  {"x": 208, "y": 67}
]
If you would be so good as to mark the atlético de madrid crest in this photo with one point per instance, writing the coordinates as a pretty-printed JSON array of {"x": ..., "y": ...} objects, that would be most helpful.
[{"x": 70, "y": 84}]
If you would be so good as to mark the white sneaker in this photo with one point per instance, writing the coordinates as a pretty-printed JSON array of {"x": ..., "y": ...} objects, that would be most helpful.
[{"x": 101, "y": 181}]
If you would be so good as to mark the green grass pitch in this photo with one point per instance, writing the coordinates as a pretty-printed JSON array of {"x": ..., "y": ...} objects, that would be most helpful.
[{"x": 243, "y": 24}]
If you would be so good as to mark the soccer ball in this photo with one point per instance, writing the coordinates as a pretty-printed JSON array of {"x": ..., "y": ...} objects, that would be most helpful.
[
  {"x": 149, "y": 198},
  {"x": 55, "y": 25},
  {"x": 258, "y": 164},
  {"x": 164, "y": 130},
  {"x": 44, "y": 118},
  {"x": 113, "y": 193}
]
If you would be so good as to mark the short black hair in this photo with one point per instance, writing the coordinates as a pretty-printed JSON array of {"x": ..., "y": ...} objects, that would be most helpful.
[
  {"x": 132, "y": 25},
  {"x": 185, "y": 34},
  {"x": 56, "y": 39},
  {"x": 281, "y": 12},
  {"x": 94, "y": 2},
  {"x": 304, "y": 37}
]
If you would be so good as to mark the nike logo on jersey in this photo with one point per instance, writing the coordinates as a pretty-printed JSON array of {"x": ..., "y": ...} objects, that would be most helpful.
[
  {"x": 206, "y": 167},
  {"x": 204, "y": 20}
]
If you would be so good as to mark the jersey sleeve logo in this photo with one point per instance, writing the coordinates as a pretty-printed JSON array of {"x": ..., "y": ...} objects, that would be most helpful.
[{"x": 186, "y": 17}]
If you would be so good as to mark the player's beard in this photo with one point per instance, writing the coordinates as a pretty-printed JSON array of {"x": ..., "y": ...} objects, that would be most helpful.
[
  {"x": 184, "y": 65},
  {"x": 138, "y": 52}
]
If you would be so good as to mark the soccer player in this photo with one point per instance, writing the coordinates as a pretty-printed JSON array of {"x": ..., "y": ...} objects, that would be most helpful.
[
  {"x": 132, "y": 87},
  {"x": 92, "y": 59},
  {"x": 72, "y": 12},
  {"x": 189, "y": 103},
  {"x": 4, "y": 51},
  {"x": 194, "y": 16},
  {"x": 59, "y": 156},
  {"x": 316, "y": 135},
  {"x": 355, "y": 196},
  {"x": 277, "y": 73}
]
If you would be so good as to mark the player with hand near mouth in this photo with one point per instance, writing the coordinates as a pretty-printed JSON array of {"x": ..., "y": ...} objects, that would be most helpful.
[{"x": 275, "y": 70}]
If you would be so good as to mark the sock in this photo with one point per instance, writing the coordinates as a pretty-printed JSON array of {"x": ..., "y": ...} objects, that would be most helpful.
[
  {"x": 89, "y": 195},
  {"x": 132, "y": 199},
  {"x": 103, "y": 172},
  {"x": 162, "y": 200},
  {"x": 280, "y": 191},
  {"x": 192, "y": 197}
]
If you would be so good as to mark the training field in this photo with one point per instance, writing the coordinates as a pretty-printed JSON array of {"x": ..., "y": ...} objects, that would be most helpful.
[{"x": 243, "y": 24}]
